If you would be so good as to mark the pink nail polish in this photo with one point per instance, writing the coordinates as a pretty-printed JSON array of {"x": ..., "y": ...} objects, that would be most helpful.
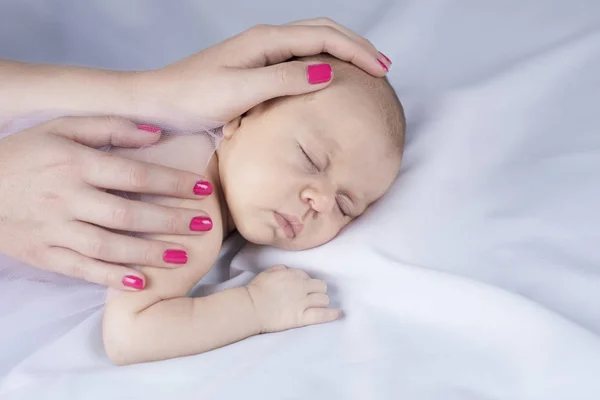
[
  {"x": 148, "y": 128},
  {"x": 383, "y": 65},
  {"x": 201, "y": 224},
  {"x": 133, "y": 281},
  {"x": 175, "y": 256},
  {"x": 319, "y": 73},
  {"x": 203, "y": 188},
  {"x": 386, "y": 58}
]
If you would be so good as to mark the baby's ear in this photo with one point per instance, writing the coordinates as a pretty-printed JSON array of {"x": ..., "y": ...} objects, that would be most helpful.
[{"x": 231, "y": 127}]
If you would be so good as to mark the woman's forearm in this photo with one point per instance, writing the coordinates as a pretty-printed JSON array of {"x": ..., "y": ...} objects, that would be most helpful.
[
  {"x": 44, "y": 91},
  {"x": 180, "y": 327}
]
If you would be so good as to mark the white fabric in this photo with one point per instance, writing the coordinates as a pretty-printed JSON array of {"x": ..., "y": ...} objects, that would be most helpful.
[{"x": 476, "y": 278}]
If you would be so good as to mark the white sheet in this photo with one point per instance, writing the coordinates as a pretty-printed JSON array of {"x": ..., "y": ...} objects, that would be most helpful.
[{"x": 476, "y": 278}]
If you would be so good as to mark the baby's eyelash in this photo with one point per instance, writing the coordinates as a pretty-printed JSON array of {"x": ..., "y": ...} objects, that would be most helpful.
[
  {"x": 341, "y": 209},
  {"x": 339, "y": 206},
  {"x": 307, "y": 157}
]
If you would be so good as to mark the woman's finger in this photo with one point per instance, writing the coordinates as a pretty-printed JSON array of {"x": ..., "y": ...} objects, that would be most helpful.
[
  {"x": 102, "y": 131},
  {"x": 280, "y": 43},
  {"x": 328, "y": 22},
  {"x": 101, "y": 244},
  {"x": 317, "y": 300},
  {"x": 73, "y": 264},
  {"x": 284, "y": 79},
  {"x": 114, "y": 212},
  {"x": 110, "y": 171}
]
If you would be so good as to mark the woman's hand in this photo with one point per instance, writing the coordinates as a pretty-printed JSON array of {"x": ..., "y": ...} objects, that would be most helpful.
[
  {"x": 224, "y": 81},
  {"x": 55, "y": 212}
]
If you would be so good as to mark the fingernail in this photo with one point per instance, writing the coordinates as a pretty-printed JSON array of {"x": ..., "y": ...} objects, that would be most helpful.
[
  {"x": 387, "y": 59},
  {"x": 319, "y": 73},
  {"x": 133, "y": 281},
  {"x": 148, "y": 128},
  {"x": 383, "y": 65},
  {"x": 203, "y": 188},
  {"x": 175, "y": 256},
  {"x": 201, "y": 224}
]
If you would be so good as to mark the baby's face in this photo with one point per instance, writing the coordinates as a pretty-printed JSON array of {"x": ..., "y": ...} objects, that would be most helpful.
[{"x": 298, "y": 171}]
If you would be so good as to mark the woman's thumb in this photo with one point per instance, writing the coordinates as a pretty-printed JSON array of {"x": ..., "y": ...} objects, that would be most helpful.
[{"x": 287, "y": 79}]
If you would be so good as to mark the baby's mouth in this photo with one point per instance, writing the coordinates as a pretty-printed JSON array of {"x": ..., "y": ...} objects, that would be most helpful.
[{"x": 290, "y": 225}]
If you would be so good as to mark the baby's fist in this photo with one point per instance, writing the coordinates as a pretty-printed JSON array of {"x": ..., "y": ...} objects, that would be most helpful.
[{"x": 286, "y": 298}]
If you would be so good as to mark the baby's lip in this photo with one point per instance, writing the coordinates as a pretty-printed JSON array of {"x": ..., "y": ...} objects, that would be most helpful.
[{"x": 293, "y": 223}]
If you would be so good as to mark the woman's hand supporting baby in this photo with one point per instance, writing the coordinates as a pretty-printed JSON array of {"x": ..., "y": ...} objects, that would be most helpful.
[{"x": 53, "y": 201}]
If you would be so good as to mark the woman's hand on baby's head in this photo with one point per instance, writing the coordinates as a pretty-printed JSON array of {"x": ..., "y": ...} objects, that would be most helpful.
[
  {"x": 286, "y": 298},
  {"x": 226, "y": 80},
  {"x": 55, "y": 213}
]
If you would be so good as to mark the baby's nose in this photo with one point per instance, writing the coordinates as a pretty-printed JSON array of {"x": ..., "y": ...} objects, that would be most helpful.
[{"x": 324, "y": 202}]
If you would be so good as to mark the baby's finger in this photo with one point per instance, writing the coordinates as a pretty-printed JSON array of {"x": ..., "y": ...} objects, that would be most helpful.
[
  {"x": 92, "y": 241},
  {"x": 109, "y": 171},
  {"x": 316, "y": 286},
  {"x": 73, "y": 264},
  {"x": 317, "y": 300},
  {"x": 312, "y": 316},
  {"x": 277, "y": 268},
  {"x": 114, "y": 212}
]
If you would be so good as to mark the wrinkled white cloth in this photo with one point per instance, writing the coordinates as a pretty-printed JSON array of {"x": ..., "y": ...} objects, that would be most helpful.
[{"x": 475, "y": 278}]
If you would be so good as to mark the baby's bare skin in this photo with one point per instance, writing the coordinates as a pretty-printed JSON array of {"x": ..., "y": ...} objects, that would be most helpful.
[{"x": 290, "y": 174}]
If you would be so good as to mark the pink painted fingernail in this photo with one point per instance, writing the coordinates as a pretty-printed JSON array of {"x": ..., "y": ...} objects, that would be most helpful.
[
  {"x": 383, "y": 65},
  {"x": 387, "y": 59},
  {"x": 132, "y": 281},
  {"x": 175, "y": 256},
  {"x": 319, "y": 73},
  {"x": 148, "y": 128},
  {"x": 201, "y": 224},
  {"x": 203, "y": 188}
]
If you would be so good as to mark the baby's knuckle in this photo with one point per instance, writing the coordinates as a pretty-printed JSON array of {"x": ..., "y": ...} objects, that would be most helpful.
[{"x": 300, "y": 274}]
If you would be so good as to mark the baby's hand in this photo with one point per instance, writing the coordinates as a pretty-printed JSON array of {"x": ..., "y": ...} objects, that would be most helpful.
[{"x": 288, "y": 298}]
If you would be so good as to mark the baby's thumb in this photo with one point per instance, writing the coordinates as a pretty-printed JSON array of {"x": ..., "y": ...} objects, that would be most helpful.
[{"x": 287, "y": 79}]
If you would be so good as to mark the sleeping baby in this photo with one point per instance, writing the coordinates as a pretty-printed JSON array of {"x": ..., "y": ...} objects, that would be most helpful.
[{"x": 289, "y": 173}]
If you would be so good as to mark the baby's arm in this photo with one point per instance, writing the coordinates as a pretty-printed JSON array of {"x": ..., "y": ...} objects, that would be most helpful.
[{"x": 159, "y": 322}]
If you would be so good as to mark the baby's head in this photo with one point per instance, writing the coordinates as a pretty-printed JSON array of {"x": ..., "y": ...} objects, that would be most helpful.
[{"x": 296, "y": 170}]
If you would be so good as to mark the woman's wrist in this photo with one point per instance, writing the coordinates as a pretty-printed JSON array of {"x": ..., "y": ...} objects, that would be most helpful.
[{"x": 39, "y": 91}]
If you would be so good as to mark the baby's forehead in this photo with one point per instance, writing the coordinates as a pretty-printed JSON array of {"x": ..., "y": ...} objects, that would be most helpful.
[{"x": 342, "y": 124}]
